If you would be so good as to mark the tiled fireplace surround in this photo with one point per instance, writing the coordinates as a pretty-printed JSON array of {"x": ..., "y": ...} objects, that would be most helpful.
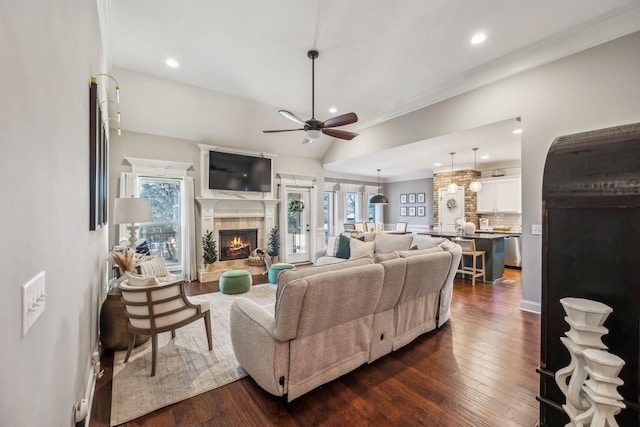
[{"x": 232, "y": 214}]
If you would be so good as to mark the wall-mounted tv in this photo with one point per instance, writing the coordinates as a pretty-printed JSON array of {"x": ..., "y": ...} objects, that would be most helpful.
[{"x": 237, "y": 172}]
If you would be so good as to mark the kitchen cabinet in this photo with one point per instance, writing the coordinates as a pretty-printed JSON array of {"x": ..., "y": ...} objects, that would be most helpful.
[{"x": 499, "y": 195}]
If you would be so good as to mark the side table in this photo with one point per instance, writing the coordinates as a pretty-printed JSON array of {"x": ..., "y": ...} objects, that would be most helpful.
[{"x": 113, "y": 323}]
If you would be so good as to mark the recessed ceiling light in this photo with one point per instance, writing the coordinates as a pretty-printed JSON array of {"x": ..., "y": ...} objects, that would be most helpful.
[
  {"x": 333, "y": 110},
  {"x": 484, "y": 157},
  {"x": 437, "y": 164},
  {"x": 172, "y": 63},
  {"x": 517, "y": 131},
  {"x": 478, "y": 38}
]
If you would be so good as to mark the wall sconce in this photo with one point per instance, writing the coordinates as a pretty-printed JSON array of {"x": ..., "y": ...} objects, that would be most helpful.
[{"x": 94, "y": 80}]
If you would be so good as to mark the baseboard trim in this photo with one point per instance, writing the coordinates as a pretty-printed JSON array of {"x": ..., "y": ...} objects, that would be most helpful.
[{"x": 531, "y": 306}]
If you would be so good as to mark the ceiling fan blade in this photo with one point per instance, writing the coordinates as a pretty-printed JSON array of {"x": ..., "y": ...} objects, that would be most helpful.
[
  {"x": 344, "y": 119},
  {"x": 342, "y": 134},
  {"x": 281, "y": 130},
  {"x": 289, "y": 115}
]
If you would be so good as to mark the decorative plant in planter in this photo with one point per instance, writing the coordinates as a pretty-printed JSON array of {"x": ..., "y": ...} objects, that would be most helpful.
[
  {"x": 209, "y": 249},
  {"x": 273, "y": 247}
]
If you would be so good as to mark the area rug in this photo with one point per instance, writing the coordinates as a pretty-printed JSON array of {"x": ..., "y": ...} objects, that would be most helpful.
[{"x": 185, "y": 367}]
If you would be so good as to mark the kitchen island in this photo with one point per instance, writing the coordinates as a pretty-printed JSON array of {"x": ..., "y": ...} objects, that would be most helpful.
[{"x": 491, "y": 243}]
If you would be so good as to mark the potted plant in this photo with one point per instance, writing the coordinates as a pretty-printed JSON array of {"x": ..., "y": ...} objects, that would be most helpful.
[
  {"x": 273, "y": 247},
  {"x": 209, "y": 250}
]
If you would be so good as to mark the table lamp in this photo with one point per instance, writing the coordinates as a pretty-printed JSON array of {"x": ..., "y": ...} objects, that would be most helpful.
[{"x": 132, "y": 210}]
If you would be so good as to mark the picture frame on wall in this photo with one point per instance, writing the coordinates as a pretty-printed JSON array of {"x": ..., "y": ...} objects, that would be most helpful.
[
  {"x": 403, "y": 211},
  {"x": 412, "y": 197},
  {"x": 420, "y": 197},
  {"x": 421, "y": 211},
  {"x": 98, "y": 167},
  {"x": 403, "y": 198},
  {"x": 412, "y": 211}
]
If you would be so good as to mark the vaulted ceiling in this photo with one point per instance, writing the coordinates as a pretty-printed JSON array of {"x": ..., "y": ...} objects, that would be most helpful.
[{"x": 379, "y": 59}]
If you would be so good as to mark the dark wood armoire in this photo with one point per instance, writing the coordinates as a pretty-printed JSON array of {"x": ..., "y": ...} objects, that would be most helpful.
[{"x": 591, "y": 249}]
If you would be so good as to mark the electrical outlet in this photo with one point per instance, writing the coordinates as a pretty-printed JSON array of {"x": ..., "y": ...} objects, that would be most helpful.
[
  {"x": 33, "y": 301},
  {"x": 536, "y": 229}
]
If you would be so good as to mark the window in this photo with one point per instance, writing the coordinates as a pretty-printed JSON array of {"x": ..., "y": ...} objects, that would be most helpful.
[
  {"x": 372, "y": 217},
  {"x": 350, "y": 207},
  {"x": 329, "y": 215},
  {"x": 163, "y": 234}
]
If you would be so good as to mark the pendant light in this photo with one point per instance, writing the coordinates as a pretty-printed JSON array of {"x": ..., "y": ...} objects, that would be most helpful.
[
  {"x": 476, "y": 185},
  {"x": 379, "y": 199},
  {"x": 453, "y": 187}
]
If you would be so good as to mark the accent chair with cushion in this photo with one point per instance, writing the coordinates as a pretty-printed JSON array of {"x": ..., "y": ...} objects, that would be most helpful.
[{"x": 153, "y": 308}]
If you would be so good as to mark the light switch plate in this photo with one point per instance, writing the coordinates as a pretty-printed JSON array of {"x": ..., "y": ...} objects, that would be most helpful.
[
  {"x": 536, "y": 229},
  {"x": 33, "y": 299}
]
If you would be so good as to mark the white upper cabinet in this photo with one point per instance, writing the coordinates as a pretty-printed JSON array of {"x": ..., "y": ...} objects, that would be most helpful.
[{"x": 499, "y": 195}]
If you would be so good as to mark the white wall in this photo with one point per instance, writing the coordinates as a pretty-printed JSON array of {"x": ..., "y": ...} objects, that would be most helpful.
[
  {"x": 593, "y": 89},
  {"x": 48, "y": 52}
]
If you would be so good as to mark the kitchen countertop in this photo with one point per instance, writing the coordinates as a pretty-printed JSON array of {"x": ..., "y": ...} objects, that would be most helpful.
[
  {"x": 487, "y": 236},
  {"x": 515, "y": 233}
]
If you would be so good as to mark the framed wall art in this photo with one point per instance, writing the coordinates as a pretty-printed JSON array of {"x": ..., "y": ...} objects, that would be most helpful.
[
  {"x": 420, "y": 197},
  {"x": 403, "y": 198},
  {"x": 412, "y": 211},
  {"x": 412, "y": 197},
  {"x": 421, "y": 211},
  {"x": 98, "y": 166},
  {"x": 403, "y": 211}
]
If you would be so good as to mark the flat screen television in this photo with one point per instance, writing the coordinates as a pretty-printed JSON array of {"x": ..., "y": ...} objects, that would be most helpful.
[{"x": 237, "y": 172}]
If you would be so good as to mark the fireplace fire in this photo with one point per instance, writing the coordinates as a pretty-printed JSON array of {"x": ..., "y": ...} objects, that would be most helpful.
[{"x": 237, "y": 244}]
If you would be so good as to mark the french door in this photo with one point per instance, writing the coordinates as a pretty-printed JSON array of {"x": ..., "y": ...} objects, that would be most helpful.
[{"x": 298, "y": 208}]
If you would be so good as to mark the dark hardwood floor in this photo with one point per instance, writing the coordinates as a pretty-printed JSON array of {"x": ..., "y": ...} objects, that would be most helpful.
[{"x": 477, "y": 370}]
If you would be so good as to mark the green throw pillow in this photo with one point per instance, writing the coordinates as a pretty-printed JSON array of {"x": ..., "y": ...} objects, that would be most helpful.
[
  {"x": 413, "y": 248},
  {"x": 343, "y": 250}
]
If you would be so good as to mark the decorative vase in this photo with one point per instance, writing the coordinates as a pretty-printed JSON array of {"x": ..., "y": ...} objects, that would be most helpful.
[
  {"x": 114, "y": 323},
  {"x": 469, "y": 228}
]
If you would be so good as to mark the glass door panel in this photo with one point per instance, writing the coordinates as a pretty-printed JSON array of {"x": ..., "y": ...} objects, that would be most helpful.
[{"x": 298, "y": 229}]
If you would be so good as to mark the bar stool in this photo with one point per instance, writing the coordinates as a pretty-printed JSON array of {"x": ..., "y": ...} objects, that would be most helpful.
[{"x": 469, "y": 250}]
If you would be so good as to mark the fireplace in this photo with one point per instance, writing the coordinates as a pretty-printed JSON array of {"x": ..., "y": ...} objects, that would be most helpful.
[{"x": 237, "y": 244}]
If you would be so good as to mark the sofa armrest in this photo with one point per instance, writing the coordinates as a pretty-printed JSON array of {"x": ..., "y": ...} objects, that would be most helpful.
[{"x": 265, "y": 358}]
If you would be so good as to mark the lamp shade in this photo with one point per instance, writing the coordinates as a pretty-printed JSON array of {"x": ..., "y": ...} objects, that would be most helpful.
[
  {"x": 379, "y": 199},
  {"x": 131, "y": 210}
]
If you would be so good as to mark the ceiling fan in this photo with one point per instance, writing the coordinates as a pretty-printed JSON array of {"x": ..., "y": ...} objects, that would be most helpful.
[{"x": 314, "y": 128}]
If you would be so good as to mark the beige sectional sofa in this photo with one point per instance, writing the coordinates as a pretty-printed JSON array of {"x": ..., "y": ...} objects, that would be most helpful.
[{"x": 328, "y": 320}]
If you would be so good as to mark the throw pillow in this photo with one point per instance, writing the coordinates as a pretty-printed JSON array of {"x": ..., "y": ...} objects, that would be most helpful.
[
  {"x": 154, "y": 267},
  {"x": 426, "y": 242},
  {"x": 141, "y": 280},
  {"x": 143, "y": 248},
  {"x": 343, "y": 250},
  {"x": 360, "y": 249},
  {"x": 332, "y": 245},
  {"x": 392, "y": 242}
]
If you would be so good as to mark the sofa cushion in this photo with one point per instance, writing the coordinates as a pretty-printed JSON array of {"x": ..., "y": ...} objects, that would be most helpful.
[
  {"x": 287, "y": 276},
  {"x": 153, "y": 267},
  {"x": 392, "y": 242},
  {"x": 359, "y": 249},
  {"x": 385, "y": 257},
  {"x": 426, "y": 242},
  {"x": 410, "y": 253}
]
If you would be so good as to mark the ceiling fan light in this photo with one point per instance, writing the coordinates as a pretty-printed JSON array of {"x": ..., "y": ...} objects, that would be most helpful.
[
  {"x": 475, "y": 186},
  {"x": 312, "y": 134},
  {"x": 452, "y": 188}
]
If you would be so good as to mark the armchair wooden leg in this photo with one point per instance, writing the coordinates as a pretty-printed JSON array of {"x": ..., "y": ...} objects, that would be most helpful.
[
  {"x": 173, "y": 333},
  {"x": 132, "y": 338},
  {"x": 154, "y": 350},
  {"x": 207, "y": 326}
]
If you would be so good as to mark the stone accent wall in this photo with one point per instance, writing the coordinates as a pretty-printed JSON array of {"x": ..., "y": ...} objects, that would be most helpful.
[{"x": 462, "y": 178}]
